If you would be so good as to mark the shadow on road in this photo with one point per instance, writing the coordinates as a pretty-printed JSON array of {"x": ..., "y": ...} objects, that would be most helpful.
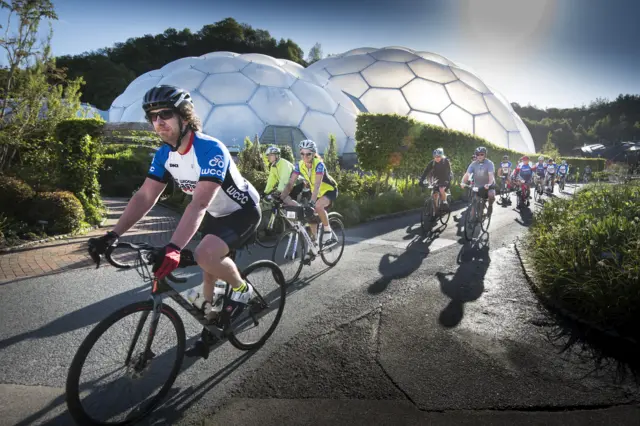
[
  {"x": 404, "y": 264},
  {"x": 467, "y": 284},
  {"x": 526, "y": 216}
]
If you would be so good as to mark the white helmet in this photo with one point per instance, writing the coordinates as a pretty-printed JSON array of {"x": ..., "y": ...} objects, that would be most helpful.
[
  {"x": 308, "y": 144},
  {"x": 273, "y": 150},
  {"x": 541, "y": 158}
]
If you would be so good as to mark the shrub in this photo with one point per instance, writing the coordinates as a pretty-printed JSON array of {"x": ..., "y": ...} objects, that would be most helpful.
[
  {"x": 285, "y": 152},
  {"x": 61, "y": 209},
  {"x": 124, "y": 169},
  {"x": 586, "y": 252},
  {"x": 15, "y": 195}
]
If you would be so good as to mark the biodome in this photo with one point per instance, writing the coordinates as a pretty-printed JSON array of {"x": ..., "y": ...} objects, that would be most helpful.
[
  {"x": 243, "y": 95},
  {"x": 427, "y": 87}
]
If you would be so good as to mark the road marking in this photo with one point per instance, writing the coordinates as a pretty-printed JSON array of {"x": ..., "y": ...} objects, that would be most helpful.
[{"x": 437, "y": 244}]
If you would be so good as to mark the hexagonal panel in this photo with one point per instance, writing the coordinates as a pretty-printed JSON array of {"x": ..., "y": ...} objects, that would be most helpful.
[
  {"x": 393, "y": 55},
  {"x": 115, "y": 113},
  {"x": 317, "y": 126},
  {"x": 315, "y": 78},
  {"x": 322, "y": 72},
  {"x": 470, "y": 79},
  {"x": 487, "y": 127},
  {"x": 117, "y": 102},
  {"x": 217, "y": 64},
  {"x": 353, "y": 84},
  {"x": 341, "y": 97},
  {"x": 229, "y": 122},
  {"x": 435, "y": 58},
  {"x": 201, "y": 104},
  {"x": 296, "y": 70},
  {"x": 433, "y": 71},
  {"x": 390, "y": 75},
  {"x": 220, "y": 54},
  {"x": 268, "y": 76},
  {"x": 314, "y": 97},
  {"x": 180, "y": 64},
  {"x": 456, "y": 118},
  {"x": 187, "y": 79},
  {"x": 525, "y": 134},
  {"x": 323, "y": 63},
  {"x": 133, "y": 112},
  {"x": 500, "y": 113},
  {"x": 426, "y": 96},
  {"x": 136, "y": 90},
  {"x": 385, "y": 101},
  {"x": 466, "y": 98},
  {"x": 359, "y": 51},
  {"x": 426, "y": 118},
  {"x": 517, "y": 143},
  {"x": 346, "y": 119},
  {"x": 277, "y": 106},
  {"x": 259, "y": 58},
  {"x": 350, "y": 64},
  {"x": 228, "y": 88}
]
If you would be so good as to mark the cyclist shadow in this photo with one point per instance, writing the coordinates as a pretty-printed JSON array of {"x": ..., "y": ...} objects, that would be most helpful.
[
  {"x": 526, "y": 216},
  {"x": 467, "y": 283},
  {"x": 404, "y": 264}
]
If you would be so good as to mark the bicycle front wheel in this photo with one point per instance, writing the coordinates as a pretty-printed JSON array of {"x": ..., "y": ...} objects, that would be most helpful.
[
  {"x": 332, "y": 253},
  {"x": 94, "y": 402},
  {"x": 470, "y": 222},
  {"x": 261, "y": 316},
  {"x": 426, "y": 216},
  {"x": 271, "y": 226},
  {"x": 289, "y": 254}
]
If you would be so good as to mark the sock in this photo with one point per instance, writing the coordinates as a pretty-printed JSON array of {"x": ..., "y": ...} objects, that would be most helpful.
[
  {"x": 243, "y": 287},
  {"x": 327, "y": 228}
]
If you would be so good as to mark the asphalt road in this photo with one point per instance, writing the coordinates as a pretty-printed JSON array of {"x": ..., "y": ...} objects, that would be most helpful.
[{"x": 421, "y": 324}]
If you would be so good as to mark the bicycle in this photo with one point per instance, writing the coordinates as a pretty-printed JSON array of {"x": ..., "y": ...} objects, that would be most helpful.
[
  {"x": 297, "y": 242},
  {"x": 136, "y": 364},
  {"x": 272, "y": 224},
  {"x": 539, "y": 190},
  {"x": 523, "y": 194},
  {"x": 505, "y": 194},
  {"x": 428, "y": 215},
  {"x": 475, "y": 213},
  {"x": 561, "y": 182}
]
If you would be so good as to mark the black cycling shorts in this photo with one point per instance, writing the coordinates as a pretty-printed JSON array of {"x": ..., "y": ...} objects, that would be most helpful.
[
  {"x": 331, "y": 195},
  {"x": 436, "y": 187},
  {"x": 297, "y": 189},
  {"x": 234, "y": 229}
]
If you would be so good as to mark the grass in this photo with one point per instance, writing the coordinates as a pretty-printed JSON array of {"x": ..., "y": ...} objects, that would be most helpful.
[{"x": 586, "y": 254}]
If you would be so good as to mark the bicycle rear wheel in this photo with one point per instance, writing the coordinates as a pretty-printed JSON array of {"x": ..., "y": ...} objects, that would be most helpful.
[
  {"x": 134, "y": 365},
  {"x": 337, "y": 248},
  {"x": 264, "y": 310},
  {"x": 271, "y": 226}
]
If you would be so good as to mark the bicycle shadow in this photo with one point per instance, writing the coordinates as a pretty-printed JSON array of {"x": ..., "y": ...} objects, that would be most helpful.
[
  {"x": 467, "y": 283},
  {"x": 404, "y": 264}
]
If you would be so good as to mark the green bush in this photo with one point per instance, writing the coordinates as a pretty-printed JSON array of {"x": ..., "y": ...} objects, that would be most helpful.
[
  {"x": 124, "y": 169},
  {"x": 62, "y": 210},
  {"x": 15, "y": 195},
  {"x": 597, "y": 164},
  {"x": 586, "y": 253},
  {"x": 257, "y": 178},
  {"x": 285, "y": 152}
]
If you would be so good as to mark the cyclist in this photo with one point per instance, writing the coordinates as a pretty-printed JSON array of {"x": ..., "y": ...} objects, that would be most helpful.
[
  {"x": 505, "y": 173},
  {"x": 539, "y": 169},
  {"x": 523, "y": 173},
  {"x": 550, "y": 174},
  {"x": 224, "y": 202},
  {"x": 483, "y": 171},
  {"x": 324, "y": 189},
  {"x": 563, "y": 170},
  {"x": 279, "y": 173},
  {"x": 438, "y": 169}
]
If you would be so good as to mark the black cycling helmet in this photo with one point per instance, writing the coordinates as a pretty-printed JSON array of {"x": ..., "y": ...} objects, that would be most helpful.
[{"x": 165, "y": 96}]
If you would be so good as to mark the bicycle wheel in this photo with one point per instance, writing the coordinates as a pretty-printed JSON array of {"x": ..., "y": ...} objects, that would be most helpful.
[
  {"x": 537, "y": 195},
  {"x": 122, "y": 256},
  {"x": 132, "y": 364},
  {"x": 264, "y": 310},
  {"x": 271, "y": 226},
  {"x": 289, "y": 253},
  {"x": 336, "y": 248},
  {"x": 485, "y": 219},
  {"x": 470, "y": 222},
  {"x": 426, "y": 215},
  {"x": 444, "y": 217}
]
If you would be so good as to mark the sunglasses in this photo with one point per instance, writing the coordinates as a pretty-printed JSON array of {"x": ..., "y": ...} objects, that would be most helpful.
[
  {"x": 480, "y": 155},
  {"x": 165, "y": 114},
  {"x": 306, "y": 154}
]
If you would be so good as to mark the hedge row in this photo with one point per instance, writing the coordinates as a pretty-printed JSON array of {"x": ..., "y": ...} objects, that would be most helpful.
[{"x": 399, "y": 144}]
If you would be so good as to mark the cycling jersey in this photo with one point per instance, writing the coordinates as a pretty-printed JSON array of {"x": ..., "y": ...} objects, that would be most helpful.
[
  {"x": 440, "y": 171},
  {"x": 328, "y": 183},
  {"x": 551, "y": 169},
  {"x": 563, "y": 169},
  {"x": 524, "y": 172},
  {"x": 539, "y": 169},
  {"x": 480, "y": 171},
  {"x": 279, "y": 173},
  {"x": 505, "y": 166},
  {"x": 206, "y": 159}
]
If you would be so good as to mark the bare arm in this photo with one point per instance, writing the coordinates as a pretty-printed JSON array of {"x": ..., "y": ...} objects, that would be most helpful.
[
  {"x": 139, "y": 205},
  {"x": 287, "y": 189},
  {"x": 316, "y": 187},
  {"x": 492, "y": 178},
  {"x": 194, "y": 213},
  {"x": 465, "y": 178}
]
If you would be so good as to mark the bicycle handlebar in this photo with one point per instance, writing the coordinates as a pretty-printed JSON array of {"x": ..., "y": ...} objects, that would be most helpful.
[{"x": 186, "y": 257}]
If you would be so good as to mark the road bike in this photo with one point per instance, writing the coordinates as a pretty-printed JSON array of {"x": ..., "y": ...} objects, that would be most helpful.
[
  {"x": 143, "y": 355},
  {"x": 475, "y": 213},
  {"x": 505, "y": 193},
  {"x": 273, "y": 222},
  {"x": 538, "y": 190},
  {"x": 296, "y": 248},
  {"x": 561, "y": 182},
  {"x": 431, "y": 210},
  {"x": 523, "y": 194}
]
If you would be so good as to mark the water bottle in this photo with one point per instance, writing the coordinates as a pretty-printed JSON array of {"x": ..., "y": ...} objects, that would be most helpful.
[
  {"x": 196, "y": 299},
  {"x": 219, "y": 289}
]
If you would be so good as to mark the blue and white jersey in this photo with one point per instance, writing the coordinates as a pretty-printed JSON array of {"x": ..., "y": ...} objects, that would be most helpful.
[
  {"x": 551, "y": 168},
  {"x": 505, "y": 167},
  {"x": 206, "y": 159},
  {"x": 563, "y": 169}
]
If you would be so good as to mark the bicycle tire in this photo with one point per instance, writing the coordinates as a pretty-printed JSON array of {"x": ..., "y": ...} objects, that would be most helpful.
[
  {"x": 485, "y": 217},
  {"x": 334, "y": 223},
  {"x": 302, "y": 245},
  {"x": 74, "y": 404},
  {"x": 279, "y": 278},
  {"x": 426, "y": 215},
  {"x": 261, "y": 239},
  {"x": 444, "y": 218},
  {"x": 470, "y": 223}
]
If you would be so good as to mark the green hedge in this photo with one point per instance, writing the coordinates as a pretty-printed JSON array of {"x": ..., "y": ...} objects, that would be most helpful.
[
  {"x": 62, "y": 210},
  {"x": 124, "y": 169},
  {"x": 597, "y": 164},
  {"x": 586, "y": 253},
  {"x": 15, "y": 195}
]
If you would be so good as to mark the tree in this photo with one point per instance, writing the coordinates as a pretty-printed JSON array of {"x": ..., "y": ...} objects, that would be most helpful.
[
  {"x": 331, "y": 156},
  {"x": 549, "y": 148},
  {"x": 315, "y": 53}
]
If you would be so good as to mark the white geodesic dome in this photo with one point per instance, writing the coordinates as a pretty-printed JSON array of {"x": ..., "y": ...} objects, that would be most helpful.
[
  {"x": 427, "y": 87},
  {"x": 243, "y": 95}
]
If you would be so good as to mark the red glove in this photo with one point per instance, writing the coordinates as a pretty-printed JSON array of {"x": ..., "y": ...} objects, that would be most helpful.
[{"x": 167, "y": 260}]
